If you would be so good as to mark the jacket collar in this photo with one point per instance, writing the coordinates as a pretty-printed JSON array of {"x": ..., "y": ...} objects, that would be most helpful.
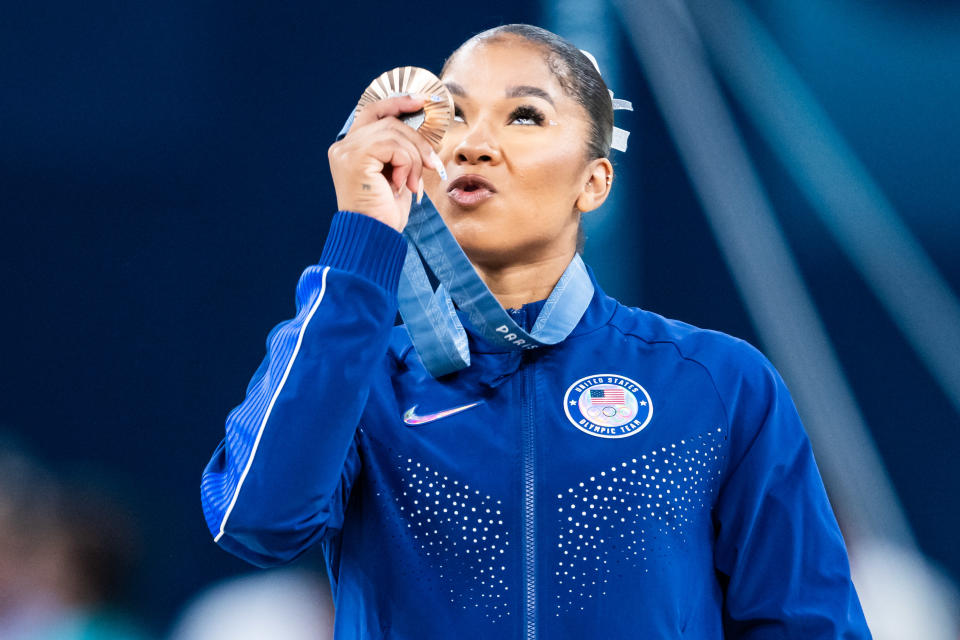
[
  {"x": 598, "y": 313},
  {"x": 492, "y": 365}
]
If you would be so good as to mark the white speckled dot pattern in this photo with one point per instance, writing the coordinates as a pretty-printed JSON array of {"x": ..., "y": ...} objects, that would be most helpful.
[
  {"x": 613, "y": 516},
  {"x": 462, "y": 534}
]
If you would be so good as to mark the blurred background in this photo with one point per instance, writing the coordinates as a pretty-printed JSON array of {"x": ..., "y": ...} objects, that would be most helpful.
[{"x": 790, "y": 180}]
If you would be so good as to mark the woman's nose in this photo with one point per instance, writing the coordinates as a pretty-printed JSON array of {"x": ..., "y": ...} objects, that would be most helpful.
[{"x": 477, "y": 146}]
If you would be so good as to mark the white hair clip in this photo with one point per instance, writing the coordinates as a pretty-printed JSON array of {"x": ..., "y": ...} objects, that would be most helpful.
[{"x": 618, "y": 139}]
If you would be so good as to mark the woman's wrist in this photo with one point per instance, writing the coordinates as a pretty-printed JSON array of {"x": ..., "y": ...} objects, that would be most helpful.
[{"x": 366, "y": 247}]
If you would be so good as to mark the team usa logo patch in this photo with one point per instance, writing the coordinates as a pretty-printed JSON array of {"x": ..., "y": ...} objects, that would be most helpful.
[{"x": 608, "y": 406}]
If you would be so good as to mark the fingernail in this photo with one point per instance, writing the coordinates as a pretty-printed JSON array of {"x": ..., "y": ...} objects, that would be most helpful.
[
  {"x": 438, "y": 165},
  {"x": 437, "y": 98},
  {"x": 420, "y": 192}
]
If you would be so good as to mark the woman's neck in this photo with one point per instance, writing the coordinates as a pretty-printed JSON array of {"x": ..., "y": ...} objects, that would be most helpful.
[{"x": 515, "y": 285}]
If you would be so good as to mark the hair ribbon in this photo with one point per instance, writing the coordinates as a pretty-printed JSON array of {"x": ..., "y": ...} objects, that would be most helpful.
[{"x": 618, "y": 138}]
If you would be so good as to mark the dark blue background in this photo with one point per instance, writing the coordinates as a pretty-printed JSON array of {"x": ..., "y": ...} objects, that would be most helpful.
[{"x": 163, "y": 181}]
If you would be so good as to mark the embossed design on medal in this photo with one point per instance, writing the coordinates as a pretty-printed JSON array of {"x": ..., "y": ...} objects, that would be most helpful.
[
  {"x": 435, "y": 117},
  {"x": 461, "y": 533},
  {"x": 622, "y": 516}
]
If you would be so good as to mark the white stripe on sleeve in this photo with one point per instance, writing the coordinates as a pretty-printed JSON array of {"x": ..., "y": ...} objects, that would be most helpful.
[{"x": 266, "y": 415}]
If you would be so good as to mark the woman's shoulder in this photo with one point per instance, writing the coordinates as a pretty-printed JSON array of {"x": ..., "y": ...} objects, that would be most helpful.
[
  {"x": 746, "y": 382},
  {"x": 722, "y": 354}
]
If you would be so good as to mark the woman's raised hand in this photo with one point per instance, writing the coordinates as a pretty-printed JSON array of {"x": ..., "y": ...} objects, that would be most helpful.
[{"x": 377, "y": 166}]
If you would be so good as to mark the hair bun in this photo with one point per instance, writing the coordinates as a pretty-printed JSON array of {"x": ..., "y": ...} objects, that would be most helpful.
[{"x": 432, "y": 121}]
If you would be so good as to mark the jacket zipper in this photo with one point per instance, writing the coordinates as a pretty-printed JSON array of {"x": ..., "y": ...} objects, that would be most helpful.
[{"x": 529, "y": 534}]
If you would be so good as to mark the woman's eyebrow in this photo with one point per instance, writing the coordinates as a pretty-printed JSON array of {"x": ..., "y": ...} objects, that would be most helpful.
[
  {"x": 527, "y": 90},
  {"x": 456, "y": 89},
  {"x": 517, "y": 91}
]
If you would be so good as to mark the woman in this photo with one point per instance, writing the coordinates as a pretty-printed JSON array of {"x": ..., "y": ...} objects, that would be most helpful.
[{"x": 642, "y": 478}]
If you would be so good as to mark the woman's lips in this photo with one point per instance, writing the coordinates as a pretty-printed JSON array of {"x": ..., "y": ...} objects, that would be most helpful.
[{"x": 470, "y": 190}]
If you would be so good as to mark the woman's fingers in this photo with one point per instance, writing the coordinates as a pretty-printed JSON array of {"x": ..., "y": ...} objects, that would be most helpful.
[
  {"x": 378, "y": 166},
  {"x": 402, "y": 162},
  {"x": 423, "y": 147},
  {"x": 388, "y": 107},
  {"x": 383, "y": 114}
]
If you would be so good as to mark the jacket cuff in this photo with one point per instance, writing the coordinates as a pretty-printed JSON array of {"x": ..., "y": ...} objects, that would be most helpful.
[{"x": 365, "y": 247}]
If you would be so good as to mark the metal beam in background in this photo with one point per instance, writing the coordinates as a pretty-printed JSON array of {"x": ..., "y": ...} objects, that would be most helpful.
[
  {"x": 837, "y": 185},
  {"x": 762, "y": 266}
]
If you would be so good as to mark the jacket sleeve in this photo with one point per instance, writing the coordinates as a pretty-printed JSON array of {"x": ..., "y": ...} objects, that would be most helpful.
[
  {"x": 778, "y": 547},
  {"x": 280, "y": 479}
]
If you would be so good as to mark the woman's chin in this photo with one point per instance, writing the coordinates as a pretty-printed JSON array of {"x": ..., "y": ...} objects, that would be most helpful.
[
  {"x": 494, "y": 240},
  {"x": 478, "y": 233},
  {"x": 488, "y": 248},
  {"x": 498, "y": 251}
]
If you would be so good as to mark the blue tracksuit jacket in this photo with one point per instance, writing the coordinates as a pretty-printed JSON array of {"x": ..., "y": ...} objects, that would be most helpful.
[{"x": 642, "y": 479}]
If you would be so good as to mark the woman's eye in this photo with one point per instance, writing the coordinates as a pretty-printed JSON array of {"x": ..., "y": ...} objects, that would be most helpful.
[
  {"x": 527, "y": 116},
  {"x": 457, "y": 114}
]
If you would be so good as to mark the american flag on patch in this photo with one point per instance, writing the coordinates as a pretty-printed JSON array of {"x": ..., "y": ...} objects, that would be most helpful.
[{"x": 607, "y": 396}]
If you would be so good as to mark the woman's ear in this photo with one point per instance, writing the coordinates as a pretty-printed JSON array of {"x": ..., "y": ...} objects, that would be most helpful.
[{"x": 596, "y": 188}]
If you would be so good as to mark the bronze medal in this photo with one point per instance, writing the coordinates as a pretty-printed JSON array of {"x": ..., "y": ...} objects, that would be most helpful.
[{"x": 431, "y": 121}]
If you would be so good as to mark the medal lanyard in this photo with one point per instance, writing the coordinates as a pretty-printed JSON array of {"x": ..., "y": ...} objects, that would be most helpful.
[
  {"x": 433, "y": 324},
  {"x": 431, "y": 319}
]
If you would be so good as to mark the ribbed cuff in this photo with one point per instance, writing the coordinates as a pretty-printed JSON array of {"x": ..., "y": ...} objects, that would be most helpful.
[{"x": 366, "y": 247}]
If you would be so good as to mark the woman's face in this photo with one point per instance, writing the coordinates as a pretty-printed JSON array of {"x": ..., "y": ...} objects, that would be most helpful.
[{"x": 515, "y": 155}]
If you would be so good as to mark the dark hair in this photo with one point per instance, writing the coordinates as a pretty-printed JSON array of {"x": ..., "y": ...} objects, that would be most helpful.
[{"x": 574, "y": 71}]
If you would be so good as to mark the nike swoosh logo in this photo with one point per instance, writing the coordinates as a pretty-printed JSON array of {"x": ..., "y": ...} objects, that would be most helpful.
[{"x": 411, "y": 417}]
